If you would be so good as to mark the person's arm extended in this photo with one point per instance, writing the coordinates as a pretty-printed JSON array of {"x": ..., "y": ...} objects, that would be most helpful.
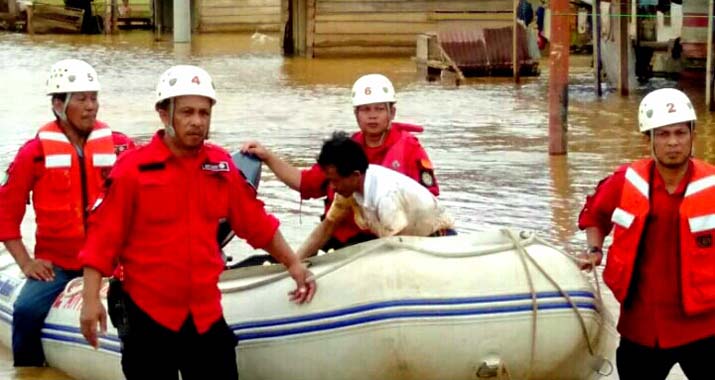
[
  {"x": 92, "y": 312},
  {"x": 286, "y": 173},
  {"x": 21, "y": 177},
  {"x": 320, "y": 235},
  {"x": 305, "y": 283},
  {"x": 594, "y": 254},
  {"x": 595, "y": 218},
  {"x": 251, "y": 222},
  {"x": 338, "y": 211}
]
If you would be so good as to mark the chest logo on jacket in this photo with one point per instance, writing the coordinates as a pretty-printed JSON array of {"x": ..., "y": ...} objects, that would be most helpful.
[{"x": 215, "y": 167}]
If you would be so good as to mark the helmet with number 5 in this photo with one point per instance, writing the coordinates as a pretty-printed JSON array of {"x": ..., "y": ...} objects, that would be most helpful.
[
  {"x": 662, "y": 107},
  {"x": 182, "y": 80},
  {"x": 72, "y": 75}
]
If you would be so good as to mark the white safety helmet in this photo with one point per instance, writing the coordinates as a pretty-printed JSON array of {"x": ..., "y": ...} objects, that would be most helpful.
[
  {"x": 72, "y": 75},
  {"x": 663, "y": 107},
  {"x": 371, "y": 89},
  {"x": 184, "y": 80}
]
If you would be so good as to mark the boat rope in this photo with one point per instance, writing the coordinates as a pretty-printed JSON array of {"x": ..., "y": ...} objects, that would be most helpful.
[
  {"x": 579, "y": 262},
  {"x": 398, "y": 242},
  {"x": 521, "y": 248},
  {"x": 523, "y": 254},
  {"x": 517, "y": 242}
]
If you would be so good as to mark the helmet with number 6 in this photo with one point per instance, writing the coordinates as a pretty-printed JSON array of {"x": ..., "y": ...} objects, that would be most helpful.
[
  {"x": 182, "y": 80},
  {"x": 72, "y": 75},
  {"x": 371, "y": 89},
  {"x": 662, "y": 107}
]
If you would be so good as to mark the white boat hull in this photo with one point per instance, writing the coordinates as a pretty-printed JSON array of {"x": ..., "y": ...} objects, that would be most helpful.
[{"x": 400, "y": 308}]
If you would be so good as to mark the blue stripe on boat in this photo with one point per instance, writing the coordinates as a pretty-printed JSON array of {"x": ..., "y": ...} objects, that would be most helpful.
[
  {"x": 384, "y": 315},
  {"x": 75, "y": 330},
  {"x": 80, "y": 341},
  {"x": 403, "y": 315},
  {"x": 408, "y": 302}
]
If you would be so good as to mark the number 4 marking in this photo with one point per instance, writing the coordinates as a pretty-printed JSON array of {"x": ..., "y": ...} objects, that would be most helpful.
[{"x": 196, "y": 80}]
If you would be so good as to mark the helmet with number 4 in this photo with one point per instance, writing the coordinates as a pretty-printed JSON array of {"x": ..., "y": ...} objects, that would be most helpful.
[
  {"x": 72, "y": 75},
  {"x": 371, "y": 89},
  {"x": 663, "y": 107},
  {"x": 182, "y": 80}
]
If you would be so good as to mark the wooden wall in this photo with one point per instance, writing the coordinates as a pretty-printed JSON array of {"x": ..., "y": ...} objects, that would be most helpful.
[
  {"x": 390, "y": 27},
  {"x": 241, "y": 15}
]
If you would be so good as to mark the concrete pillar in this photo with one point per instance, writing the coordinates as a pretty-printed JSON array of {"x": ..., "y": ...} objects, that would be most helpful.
[
  {"x": 709, "y": 61},
  {"x": 182, "y": 21},
  {"x": 515, "y": 42},
  {"x": 559, "y": 77},
  {"x": 623, "y": 41},
  {"x": 596, "y": 42}
]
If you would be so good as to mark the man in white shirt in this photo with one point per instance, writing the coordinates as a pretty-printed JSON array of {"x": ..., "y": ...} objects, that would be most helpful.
[{"x": 384, "y": 201}]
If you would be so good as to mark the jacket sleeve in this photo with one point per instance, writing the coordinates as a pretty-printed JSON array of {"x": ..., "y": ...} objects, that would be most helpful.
[
  {"x": 17, "y": 182},
  {"x": 247, "y": 214},
  {"x": 424, "y": 169},
  {"x": 110, "y": 220},
  {"x": 313, "y": 183},
  {"x": 599, "y": 206},
  {"x": 340, "y": 208}
]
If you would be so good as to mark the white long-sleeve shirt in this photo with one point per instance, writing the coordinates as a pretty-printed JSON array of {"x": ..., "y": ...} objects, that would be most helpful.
[{"x": 392, "y": 204}]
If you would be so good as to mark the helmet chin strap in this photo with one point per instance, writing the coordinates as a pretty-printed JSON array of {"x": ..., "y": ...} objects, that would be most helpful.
[
  {"x": 388, "y": 106},
  {"x": 170, "y": 125},
  {"x": 692, "y": 141},
  {"x": 63, "y": 114},
  {"x": 652, "y": 144}
]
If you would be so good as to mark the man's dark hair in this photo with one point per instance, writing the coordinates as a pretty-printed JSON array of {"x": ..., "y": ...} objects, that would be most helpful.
[
  {"x": 344, "y": 153},
  {"x": 163, "y": 105},
  {"x": 61, "y": 97}
]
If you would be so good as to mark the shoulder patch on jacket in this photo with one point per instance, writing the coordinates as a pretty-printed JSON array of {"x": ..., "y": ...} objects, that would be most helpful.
[
  {"x": 427, "y": 178},
  {"x": 152, "y": 166},
  {"x": 426, "y": 172}
]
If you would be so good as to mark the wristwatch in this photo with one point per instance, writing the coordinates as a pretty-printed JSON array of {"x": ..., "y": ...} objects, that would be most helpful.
[{"x": 593, "y": 250}]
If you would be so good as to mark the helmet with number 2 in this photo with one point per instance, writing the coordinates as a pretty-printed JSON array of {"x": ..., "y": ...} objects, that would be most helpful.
[
  {"x": 662, "y": 107},
  {"x": 183, "y": 80},
  {"x": 72, "y": 75}
]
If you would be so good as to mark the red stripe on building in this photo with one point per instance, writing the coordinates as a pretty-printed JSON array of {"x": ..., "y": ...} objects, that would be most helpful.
[{"x": 695, "y": 20}]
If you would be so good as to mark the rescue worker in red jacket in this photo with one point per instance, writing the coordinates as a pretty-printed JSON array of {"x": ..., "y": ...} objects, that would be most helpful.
[
  {"x": 158, "y": 218},
  {"x": 387, "y": 143},
  {"x": 64, "y": 167},
  {"x": 661, "y": 264}
]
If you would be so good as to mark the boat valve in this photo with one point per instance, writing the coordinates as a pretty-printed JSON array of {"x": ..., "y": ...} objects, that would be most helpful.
[{"x": 489, "y": 368}]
